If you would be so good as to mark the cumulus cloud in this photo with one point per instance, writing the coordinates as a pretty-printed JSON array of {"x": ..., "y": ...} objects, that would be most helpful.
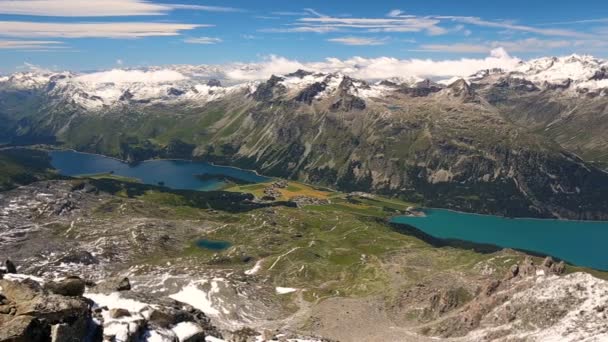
[
  {"x": 203, "y": 40},
  {"x": 92, "y": 30},
  {"x": 118, "y": 76},
  {"x": 358, "y": 41},
  {"x": 96, "y": 8},
  {"x": 376, "y": 68}
]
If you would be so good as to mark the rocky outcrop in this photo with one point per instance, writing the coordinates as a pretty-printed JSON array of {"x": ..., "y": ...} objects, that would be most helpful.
[
  {"x": 270, "y": 89},
  {"x": 35, "y": 314},
  {"x": 71, "y": 286},
  {"x": 308, "y": 94},
  {"x": 476, "y": 311},
  {"x": 32, "y": 310}
]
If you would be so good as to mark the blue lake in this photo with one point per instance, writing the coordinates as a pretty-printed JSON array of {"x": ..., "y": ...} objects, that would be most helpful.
[
  {"x": 213, "y": 245},
  {"x": 582, "y": 243},
  {"x": 175, "y": 174}
]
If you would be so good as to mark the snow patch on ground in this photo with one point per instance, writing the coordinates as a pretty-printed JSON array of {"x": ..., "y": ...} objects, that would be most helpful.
[
  {"x": 285, "y": 290},
  {"x": 114, "y": 300},
  {"x": 256, "y": 268},
  {"x": 186, "y": 330},
  {"x": 193, "y": 295}
]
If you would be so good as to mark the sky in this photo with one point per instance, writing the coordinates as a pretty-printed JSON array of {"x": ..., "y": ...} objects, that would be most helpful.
[{"x": 87, "y": 35}]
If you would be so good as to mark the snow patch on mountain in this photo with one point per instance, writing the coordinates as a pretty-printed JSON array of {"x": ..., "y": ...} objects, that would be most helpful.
[
  {"x": 199, "y": 84},
  {"x": 583, "y": 71},
  {"x": 118, "y": 76}
]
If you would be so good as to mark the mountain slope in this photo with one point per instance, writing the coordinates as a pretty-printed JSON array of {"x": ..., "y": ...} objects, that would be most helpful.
[{"x": 499, "y": 141}]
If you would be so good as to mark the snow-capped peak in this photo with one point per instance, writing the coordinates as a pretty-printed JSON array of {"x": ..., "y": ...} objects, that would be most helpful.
[
  {"x": 556, "y": 70},
  {"x": 119, "y": 76}
]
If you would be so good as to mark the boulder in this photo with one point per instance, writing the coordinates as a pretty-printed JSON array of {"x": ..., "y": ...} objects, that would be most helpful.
[
  {"x": 54, "y": 308},
  {"x": 10, "y": 267},
  {"x": 74, "y": 332},
  {"x": 112, "y": 285},
  {"x": 559, "y": 268},
  {"x": 29, "y": 299},
  {"x": 527, "y": 267},
  {"x": 71, "y": 286},
  {"x": 119, "y": 313},
  {"x": 548, "y": 262},
  {"x": 162, "y": 318},
  {"x": 24, "y": 329},
  {"x": 512, "y": 272},
  {"x": 20, "y": 291}
]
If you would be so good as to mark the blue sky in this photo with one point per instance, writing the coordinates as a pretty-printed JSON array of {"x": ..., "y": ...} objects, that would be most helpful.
[{"x": 101, "y": 34}]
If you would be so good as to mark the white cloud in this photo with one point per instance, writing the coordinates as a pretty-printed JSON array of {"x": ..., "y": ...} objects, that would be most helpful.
[
  {"x": 118, "y": 76},
  {"x": 96, "y": 8},
  {"x": 515, "y": 27},
  {"x": 395, "y": 24},
  {"x": 205, "y": 8},
  {"x": 119, "y": 62},
  {"x": 398, "y": 21},
  {"x": 301, "y": 29},
  {"x": 30, "y": 44},
  {"x": 203, "y": 40},
  {"x": 288, "y": 13},
  {"x": 376, "y": 68},
  {"x": 524, "y": 45},
  {"x": 91, "y": 30},
  {"x": 358, "y": 41},
  {"x": 455, "y": 48}
]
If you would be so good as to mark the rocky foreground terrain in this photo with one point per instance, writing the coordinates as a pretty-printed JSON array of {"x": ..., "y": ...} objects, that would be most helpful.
[{"x": 100, "y": 259}]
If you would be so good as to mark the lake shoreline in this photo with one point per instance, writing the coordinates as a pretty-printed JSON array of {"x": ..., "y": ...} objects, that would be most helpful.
[
  {"x": 172, "y": 173},
  {"x": 423, "y": 209},
  {"x": 578, "y": 243}
]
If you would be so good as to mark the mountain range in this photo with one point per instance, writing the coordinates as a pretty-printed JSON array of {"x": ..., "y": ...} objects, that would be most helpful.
[{"x": 527, "y": 141}]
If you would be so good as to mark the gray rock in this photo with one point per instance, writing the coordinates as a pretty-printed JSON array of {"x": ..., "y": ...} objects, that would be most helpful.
[
  {"x": 559, "y": 268},
  {"x": 23, "y": 329},
  {"x": 74, "y": 332},
  {"x": 10, "y": 267},
  {"x": 161, "y": 318},
  {"x": 118, "y": 313},
  {"x": 71, "y": 286},
  {"x": 548, "y": 262},
  {"x": 527, "y": 267},
  {"x": 112, "y": 285}
]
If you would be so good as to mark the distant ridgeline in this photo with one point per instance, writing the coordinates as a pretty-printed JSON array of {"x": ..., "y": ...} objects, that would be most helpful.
[{"x": 495, "y": 142}]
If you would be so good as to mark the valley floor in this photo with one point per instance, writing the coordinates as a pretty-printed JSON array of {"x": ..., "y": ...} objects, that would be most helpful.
[{"x": 332, "y": 268}]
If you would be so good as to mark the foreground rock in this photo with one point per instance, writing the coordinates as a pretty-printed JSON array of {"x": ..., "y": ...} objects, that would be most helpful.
[
  {"x": 533, "y": 302},
  {"x": 58, "y": 311},
  {"x": 31, "y": 313}
]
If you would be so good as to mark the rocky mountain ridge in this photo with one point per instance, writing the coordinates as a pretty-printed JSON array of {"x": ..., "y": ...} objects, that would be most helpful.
[
  {"x": 580, "y": 74},
  {"x": 523, "y": 142}
]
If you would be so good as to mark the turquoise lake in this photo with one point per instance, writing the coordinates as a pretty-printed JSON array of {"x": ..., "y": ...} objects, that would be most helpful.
[
  {"x": 582, "y": 243},
  {"x": 213, "y": 245},
  {"x": 175, "y": 174}
]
